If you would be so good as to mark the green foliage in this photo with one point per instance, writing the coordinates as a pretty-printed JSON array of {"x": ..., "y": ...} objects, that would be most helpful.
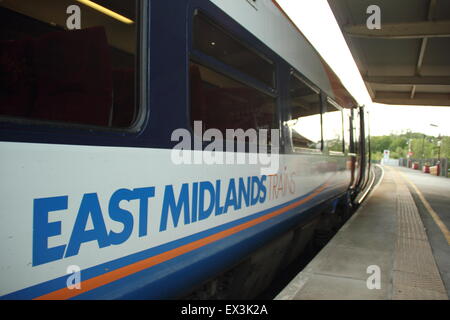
[{"x": 422, "y": 146}]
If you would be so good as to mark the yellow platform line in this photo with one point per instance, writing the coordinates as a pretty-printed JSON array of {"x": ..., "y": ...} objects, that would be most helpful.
[{"x": 430, "y": 210}]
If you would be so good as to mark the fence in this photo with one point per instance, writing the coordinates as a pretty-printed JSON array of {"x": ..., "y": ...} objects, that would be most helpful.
[
  {"x": 390, "y": 162},
  {"x": 444, "y": 164}
]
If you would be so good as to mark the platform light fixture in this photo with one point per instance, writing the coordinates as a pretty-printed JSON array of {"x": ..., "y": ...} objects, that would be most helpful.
[{"x": 106, "y": 11}]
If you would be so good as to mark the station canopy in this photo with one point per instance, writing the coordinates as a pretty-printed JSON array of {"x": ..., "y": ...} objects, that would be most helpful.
[{"x": 407, "y": 61}]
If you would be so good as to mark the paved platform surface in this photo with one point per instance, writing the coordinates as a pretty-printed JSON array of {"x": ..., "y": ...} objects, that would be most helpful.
[
  {"x": 382, "y": 252},
  {"x": 432, "y": 197}
]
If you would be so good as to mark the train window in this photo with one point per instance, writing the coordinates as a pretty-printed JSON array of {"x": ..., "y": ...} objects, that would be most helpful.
[
  {"x": 223, "y": 103},
  {"x": 212, "y": 40},
  {"x": 333, "y": 127},
  {"x": 305, "y": 116},
  {"x": 69, "y": 61}
]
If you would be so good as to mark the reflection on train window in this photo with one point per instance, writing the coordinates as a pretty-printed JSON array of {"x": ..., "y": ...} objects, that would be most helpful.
[
  {"x": 356, "y": 130},
  {"x": 223, "y": 103},
  {"x": 347, "y": 136},
  {"x": 367, "y": 133},
  {"x": 210, "y": 39},
  {"x": 304, "y": 122},
  {"x": 332, "y": 128},
  {"x": 69, "y": 61}
]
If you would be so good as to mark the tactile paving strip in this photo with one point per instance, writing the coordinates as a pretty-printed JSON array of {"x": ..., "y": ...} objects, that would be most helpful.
[{"x": 416, "y": 275}]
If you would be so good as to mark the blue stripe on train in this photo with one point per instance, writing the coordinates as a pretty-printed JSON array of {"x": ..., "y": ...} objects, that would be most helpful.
[{"x": 177, "y": 275}]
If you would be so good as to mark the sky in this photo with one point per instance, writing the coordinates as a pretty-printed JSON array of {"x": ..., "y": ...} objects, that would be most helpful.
[{"x": 317, "y": 22}]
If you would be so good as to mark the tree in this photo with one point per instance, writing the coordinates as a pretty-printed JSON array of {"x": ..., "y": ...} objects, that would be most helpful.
[{"x": 421, "y": 146}]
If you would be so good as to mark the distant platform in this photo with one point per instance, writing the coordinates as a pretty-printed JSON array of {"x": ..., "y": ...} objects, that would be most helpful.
[{"x": 396, "y": 246}]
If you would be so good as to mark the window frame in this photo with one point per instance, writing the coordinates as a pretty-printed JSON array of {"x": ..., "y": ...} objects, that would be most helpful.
[
  {"x": 218, "y": 66},
  {"x": 296, "y": 74},
  {"x": 248, "y": 40},
  {"x": 141, "y": 82}
]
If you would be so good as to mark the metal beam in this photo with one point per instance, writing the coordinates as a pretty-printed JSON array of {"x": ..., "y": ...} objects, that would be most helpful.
[
  {"x": 413, "y": 92},
  {"x": 410, "y": 30},
  {"x": 423, "y": 46},
  {"x": 410, "y": 81},
  {"x": 420, "y": 99}
]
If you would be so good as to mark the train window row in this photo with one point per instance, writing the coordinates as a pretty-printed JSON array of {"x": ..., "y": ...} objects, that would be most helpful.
[
  {"x": 69, "y": 62},
  {"x": 58, "y": 65}
]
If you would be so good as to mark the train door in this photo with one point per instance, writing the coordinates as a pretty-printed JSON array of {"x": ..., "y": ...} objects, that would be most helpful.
[
  {"x": 356, "y": 127},
  {"x": 367, "y": 152},
  {"x": 349, "y": 145}
]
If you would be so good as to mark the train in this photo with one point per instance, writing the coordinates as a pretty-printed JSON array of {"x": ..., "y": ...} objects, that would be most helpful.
[{"x": 115, "y": 180}]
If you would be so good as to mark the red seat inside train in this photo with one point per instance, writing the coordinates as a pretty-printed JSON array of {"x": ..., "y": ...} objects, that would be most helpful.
[
  {"x": 16, "y": 78},
  {"x": 73, "y": 77},
  {"x": 65, "y": 76}
]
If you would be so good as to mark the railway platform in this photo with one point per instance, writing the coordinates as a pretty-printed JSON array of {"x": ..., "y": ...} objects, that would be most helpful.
[{"x": 396, "y": 246}]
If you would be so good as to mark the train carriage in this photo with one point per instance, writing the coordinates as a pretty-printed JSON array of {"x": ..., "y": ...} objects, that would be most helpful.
[{"x": 96, "y": 202}]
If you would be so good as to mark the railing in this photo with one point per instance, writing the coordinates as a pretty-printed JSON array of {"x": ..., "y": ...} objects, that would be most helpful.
[{"x": 420, "y": 164}]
